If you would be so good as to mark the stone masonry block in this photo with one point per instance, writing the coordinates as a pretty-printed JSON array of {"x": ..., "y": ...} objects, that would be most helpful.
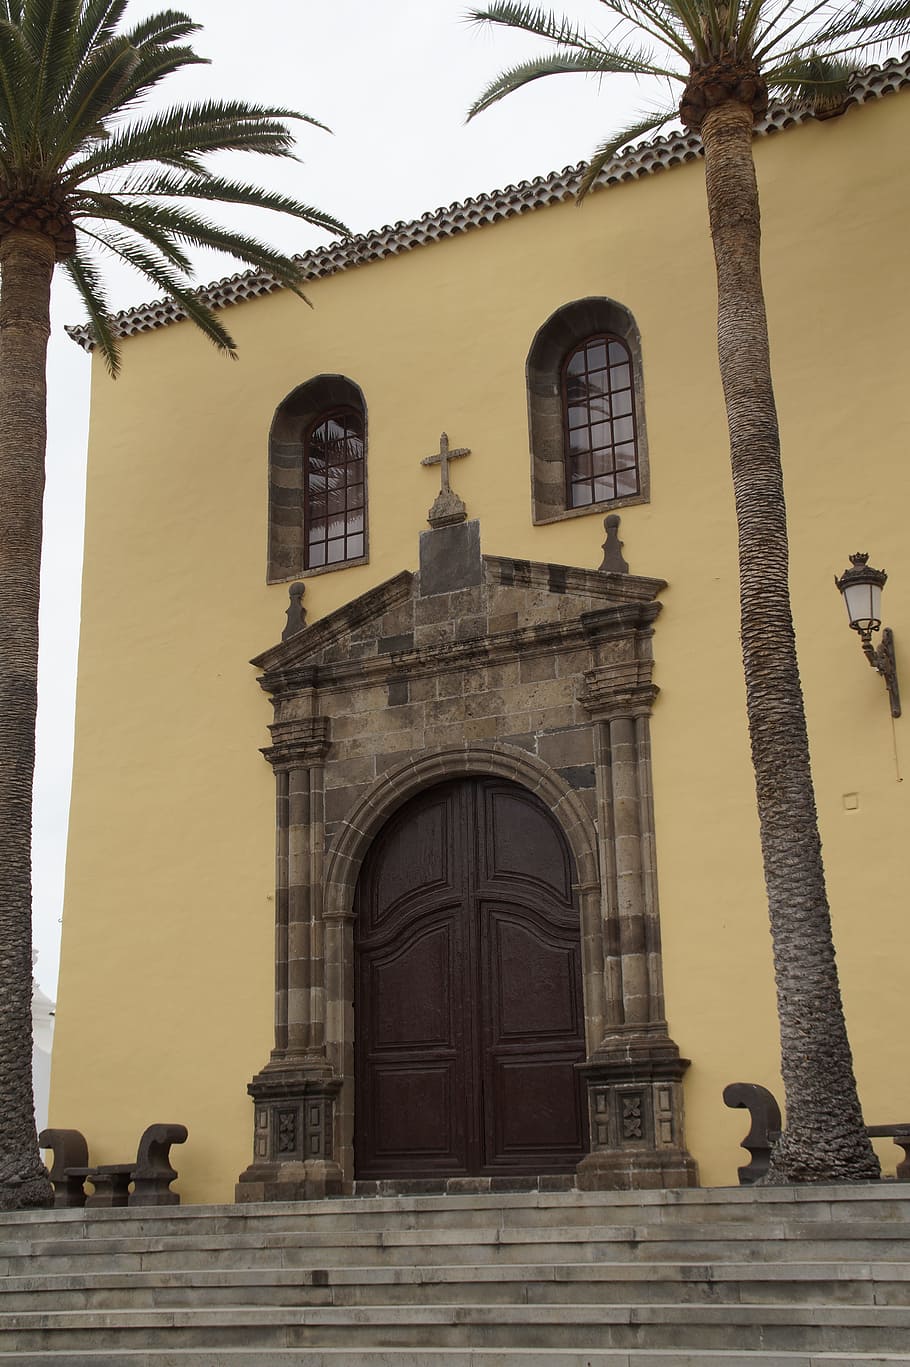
[
  {"x": 451, "y": 683},
  {"x": 339, "y": 801},
  {"x": 428, "y": 611},
  {"x": 526, "y": 741},
  {"x": 470, "y": 628},
  {"x": 444, "y": 710},
  {"x": 486, "y": 704},
  {"x": 572, "y": 662},
  {"x": 482, "y": 728},
  {"x": 342, "y": 773},
  {"x": 536, "y": 667},
  {"x": 547, "y": 693},
  {"x": 579, "y": 775},
  {"x": 567, "y": 746},
  {"x": 435, "y": 634},
  {"x": 551, "y": 718},
  {"x": 422, "y": 689}
]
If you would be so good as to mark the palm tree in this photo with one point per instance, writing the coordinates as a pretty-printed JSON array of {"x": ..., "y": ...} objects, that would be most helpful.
[
  {"x": 728, "y": 55},
  {"x": 81, "y": 169}
]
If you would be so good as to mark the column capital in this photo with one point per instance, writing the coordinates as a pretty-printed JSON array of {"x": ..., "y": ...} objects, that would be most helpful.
[
  {"x": 298, "y": 743},
  {"x": 622, "y": 688}
]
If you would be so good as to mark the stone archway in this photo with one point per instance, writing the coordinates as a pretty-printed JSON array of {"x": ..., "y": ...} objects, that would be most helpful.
[{"x": 398, "y": 787}]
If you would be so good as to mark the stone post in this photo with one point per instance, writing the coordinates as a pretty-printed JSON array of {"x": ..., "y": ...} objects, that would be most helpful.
[
  {"x": 294, "y": 1095},
  {"x": 634, "y": 1075}
]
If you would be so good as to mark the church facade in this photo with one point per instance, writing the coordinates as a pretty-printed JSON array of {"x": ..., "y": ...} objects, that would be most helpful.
[{"x": 458, "y": 881}]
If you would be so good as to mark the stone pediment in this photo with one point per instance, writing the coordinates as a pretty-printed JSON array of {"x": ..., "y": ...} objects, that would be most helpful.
[{"x": 460, "y": 609}]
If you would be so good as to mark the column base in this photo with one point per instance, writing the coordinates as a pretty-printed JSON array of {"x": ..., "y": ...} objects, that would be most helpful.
[
  {"x": 293, "y": 1156},
  {"x": 635, "y": 1108},
  {"x": 288, "y": 1182},
  {"x": 647, "y": 1171}
]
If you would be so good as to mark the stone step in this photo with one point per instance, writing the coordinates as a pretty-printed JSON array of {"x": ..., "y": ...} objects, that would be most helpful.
[
  {"x": 886, "y": 1284},
  {"x": 844, "y": 1329},
  {"x": 699, "y": 1242},
  {"x": 879, "y": 1202},
  {"x": 444, "y": 1357}
]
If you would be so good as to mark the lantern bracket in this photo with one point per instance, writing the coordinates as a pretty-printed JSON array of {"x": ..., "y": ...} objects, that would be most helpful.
[
  {"x": 861, "y": 588},
  {"x": 883, "y": 660}
]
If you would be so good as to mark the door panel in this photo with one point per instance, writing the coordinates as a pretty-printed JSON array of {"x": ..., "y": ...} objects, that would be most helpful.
[
  {"x": 531, "y": 980},
  {"x": 469, "y": 1015},
  {"x": 523, "y": 842}
]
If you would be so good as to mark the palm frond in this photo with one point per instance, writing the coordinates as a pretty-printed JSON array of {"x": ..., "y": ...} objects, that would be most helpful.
[
  {"x": 100, "y": 84},
  {"x": 165, "y": 225},
  {"x": 151, "y": 222},
  {"x": 13, "y": 85},
  {"x": 539, "y": 22},
  {"x": 192, "y": 131},
  {"x": 46, "y": 31},
  {"x": 97, "y": 23},
  {"x": 87, "y": 280},
  {"x": 821, "y": 84},
  {"x": 603, "y": 63},
  {"x": 218, "y": 189},
  {"x": 877, "y": 23},
  {"x": 151, "y": 266},
  {"x": 675, "y": 24},
  {"x": 774, "y": 33},
  {"x": 109, "y": 82},
  {"x": 608, "y": 150},
  {"x": 167, "y": 27},
  {"x": 153, "y": 64},
  {"x": 642, "y": 18}
]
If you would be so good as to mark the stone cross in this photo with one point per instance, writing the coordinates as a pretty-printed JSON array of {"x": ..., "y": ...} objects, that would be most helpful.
[{"x": 448, "y": 507}]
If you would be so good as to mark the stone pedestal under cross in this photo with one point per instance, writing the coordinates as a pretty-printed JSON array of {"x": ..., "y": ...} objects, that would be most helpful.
[{"x": 448, "y": 508}]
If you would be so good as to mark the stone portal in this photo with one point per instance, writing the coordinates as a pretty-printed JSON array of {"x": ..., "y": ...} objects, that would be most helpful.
[{"x": 476, "y": 668}]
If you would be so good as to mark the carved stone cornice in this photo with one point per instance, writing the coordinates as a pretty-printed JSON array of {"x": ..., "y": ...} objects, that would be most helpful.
[
  {"x": 621, "y": 589},
  {"x": 623, "y": 619},
  {"x": 620, "y": 689},
  {"x": 298, "y": 743}
]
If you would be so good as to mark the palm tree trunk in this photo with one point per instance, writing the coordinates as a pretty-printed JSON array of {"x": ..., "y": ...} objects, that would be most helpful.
[
  {"x": 825, "y": 1139},
  {"x": 26, "y": 267}
]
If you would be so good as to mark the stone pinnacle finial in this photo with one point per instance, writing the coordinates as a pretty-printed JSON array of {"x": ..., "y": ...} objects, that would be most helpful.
[
  {"x": 296, "y": 612},
  {"x": 613, "y": 562}
]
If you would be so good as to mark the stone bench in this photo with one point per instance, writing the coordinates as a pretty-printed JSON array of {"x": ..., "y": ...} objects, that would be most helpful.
[
  {"x": 766, "y": 1127},
  {"x": 70, "y": 1156},
  {"x": 150, "y": 1175}
]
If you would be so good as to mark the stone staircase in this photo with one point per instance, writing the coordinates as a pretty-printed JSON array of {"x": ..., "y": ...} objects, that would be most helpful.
[{"x": 727, "y": 1277}]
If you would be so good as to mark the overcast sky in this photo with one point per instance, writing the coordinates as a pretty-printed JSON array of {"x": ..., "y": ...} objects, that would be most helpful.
[{"x": 392, "y": 79}]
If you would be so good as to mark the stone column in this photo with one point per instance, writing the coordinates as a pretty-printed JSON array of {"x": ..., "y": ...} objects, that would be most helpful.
[
  {"x": 294, "y": 1095},
  {"x": 634, "y": 1074}
]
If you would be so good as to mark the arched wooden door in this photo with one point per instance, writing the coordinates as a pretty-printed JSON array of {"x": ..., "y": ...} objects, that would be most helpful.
[{"x": 469, "y": 1014}]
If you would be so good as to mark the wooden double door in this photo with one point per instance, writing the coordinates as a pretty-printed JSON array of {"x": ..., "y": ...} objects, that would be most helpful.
[{"x": 468, "y": 1010}]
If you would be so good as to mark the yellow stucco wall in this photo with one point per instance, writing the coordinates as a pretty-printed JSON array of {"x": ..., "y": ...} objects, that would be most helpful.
[{"x": 165, "y": 999}]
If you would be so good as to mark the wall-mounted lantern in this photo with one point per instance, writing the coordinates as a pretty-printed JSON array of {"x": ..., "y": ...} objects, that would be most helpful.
[{"x": 861, "y": 587}]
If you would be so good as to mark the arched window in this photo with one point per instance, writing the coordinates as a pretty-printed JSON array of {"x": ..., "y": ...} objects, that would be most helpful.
[
  {"x": 586, "y": 411},
  {"x": 334, "y": 502},
  {"x": 599, "y": 422},
  {"x": 317, "y": 479}
]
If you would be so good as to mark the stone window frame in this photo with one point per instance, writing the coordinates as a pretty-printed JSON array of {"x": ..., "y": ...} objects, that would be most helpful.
[
  {"x": 296, "y": 415},
  {"x": 566, "y": 329}
]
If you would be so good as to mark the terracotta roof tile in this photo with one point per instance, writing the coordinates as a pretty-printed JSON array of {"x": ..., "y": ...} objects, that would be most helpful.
[{"x": 644, "y": 159}]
